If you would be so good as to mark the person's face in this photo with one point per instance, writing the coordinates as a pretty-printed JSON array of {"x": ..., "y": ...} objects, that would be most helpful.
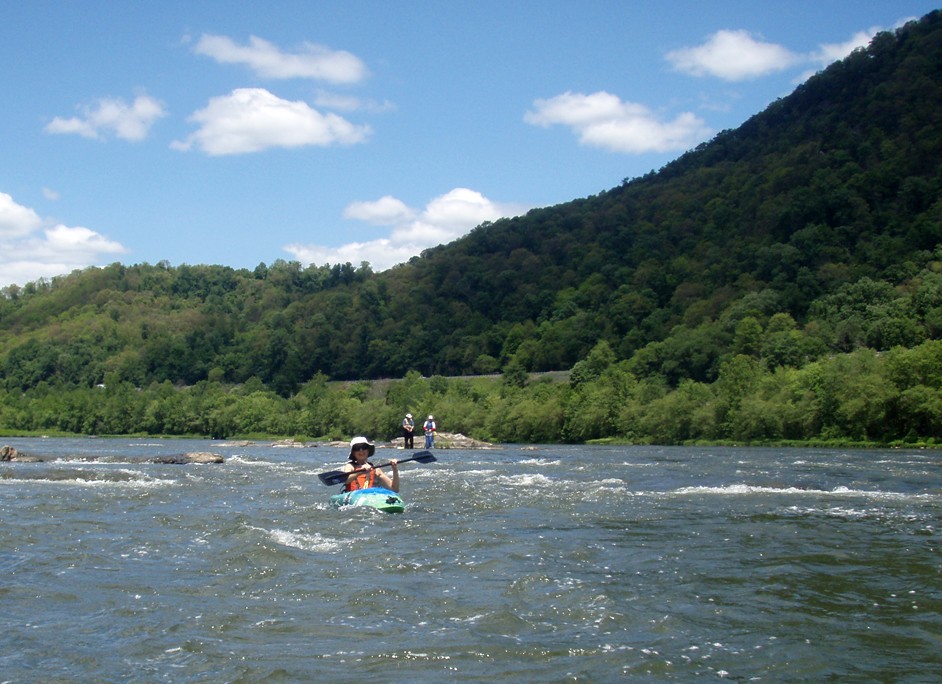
[{"x": 361, "y": 452}]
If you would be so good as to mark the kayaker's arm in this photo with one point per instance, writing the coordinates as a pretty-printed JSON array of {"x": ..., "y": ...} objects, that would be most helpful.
[{"x": 390, "y": 483}]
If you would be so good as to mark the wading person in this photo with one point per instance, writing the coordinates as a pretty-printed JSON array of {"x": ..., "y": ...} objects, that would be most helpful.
[
  {"x": 429, "y": 428},
  {"x": 408, "y": 432}
]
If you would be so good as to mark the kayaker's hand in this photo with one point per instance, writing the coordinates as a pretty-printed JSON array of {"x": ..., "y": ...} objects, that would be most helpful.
[{"x": 394, "y": 463}]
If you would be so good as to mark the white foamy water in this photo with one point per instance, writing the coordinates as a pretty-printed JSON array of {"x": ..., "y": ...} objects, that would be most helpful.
[{"x": 304, "y": 541}]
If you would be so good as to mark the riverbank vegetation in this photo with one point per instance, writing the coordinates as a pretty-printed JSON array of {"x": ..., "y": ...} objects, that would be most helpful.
[
  {"x": 857, "y": 398},
  {"x": 781, "y": 282}
]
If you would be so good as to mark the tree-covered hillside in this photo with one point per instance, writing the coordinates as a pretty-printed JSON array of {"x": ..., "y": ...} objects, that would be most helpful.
[
  {"x": 837, "y": 183},
  {"x": 814, "y": 229}
]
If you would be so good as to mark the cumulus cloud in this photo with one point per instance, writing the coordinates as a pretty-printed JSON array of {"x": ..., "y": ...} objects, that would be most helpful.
[
  {"x": 444, "y": 218},
  {"x": 31, "y": 248},
  {"x": 385, "y": 211},
  {"x": 604, "y": 120},
  {"x": 111, "y": 116},
  {"x": 733, "y": 56},
  {"x": 450, "y": 216},
  {"x": 253, "y": 119},
  {"x": 16, "y": 221},
  {"x": 739, "y": 55},
  {"x": 265, "y": 59}
]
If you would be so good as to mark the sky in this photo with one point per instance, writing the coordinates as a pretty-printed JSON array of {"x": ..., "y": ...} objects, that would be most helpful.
[{"x": 239, "y": 133}]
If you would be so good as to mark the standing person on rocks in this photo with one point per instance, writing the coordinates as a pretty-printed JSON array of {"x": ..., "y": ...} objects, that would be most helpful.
[
  {"x": 408, "y": 432},
  {"x": 429, "y": 428}
]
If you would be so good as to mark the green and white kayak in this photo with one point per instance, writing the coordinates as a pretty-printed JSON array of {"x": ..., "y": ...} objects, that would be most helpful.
[{"x": 380, "y": 498}]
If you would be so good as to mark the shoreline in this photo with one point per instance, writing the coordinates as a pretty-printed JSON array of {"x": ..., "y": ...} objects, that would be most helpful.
[{"x": 446, "y": 440}]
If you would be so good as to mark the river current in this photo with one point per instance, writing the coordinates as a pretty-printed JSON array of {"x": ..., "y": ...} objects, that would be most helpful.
[{"x": 525, "y": 564}]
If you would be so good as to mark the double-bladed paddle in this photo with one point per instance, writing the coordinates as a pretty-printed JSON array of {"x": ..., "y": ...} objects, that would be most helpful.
[{"x": 333, "y": 477}]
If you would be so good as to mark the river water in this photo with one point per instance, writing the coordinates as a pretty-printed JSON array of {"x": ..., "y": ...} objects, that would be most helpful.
[{"x": 541, "y": 564}]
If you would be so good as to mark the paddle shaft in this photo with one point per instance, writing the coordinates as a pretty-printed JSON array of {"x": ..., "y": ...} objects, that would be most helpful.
[{"x": 337, "y": 476}]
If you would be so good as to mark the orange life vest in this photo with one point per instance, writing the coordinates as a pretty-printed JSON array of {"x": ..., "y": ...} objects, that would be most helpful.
[{"x": 361, "y": 481}]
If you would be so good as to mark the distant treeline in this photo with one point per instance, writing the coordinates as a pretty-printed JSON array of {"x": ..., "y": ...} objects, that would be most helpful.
[{"x": 859, "y": 397}]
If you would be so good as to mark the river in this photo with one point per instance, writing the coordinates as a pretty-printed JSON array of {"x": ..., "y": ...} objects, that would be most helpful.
[{"x": 539, "y": 564}]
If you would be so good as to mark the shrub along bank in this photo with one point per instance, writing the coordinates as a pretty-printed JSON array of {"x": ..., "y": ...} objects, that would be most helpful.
[{"x": 863, "y": 397}]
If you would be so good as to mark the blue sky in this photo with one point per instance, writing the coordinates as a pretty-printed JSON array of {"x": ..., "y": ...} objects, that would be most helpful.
[{"x": 238, "y": 133}]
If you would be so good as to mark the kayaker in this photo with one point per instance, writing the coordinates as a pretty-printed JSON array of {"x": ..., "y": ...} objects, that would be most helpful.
[{"x": 362, "y": 473}]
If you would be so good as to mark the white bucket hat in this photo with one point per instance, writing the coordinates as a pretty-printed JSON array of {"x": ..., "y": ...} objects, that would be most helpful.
[{"x": 362, "y": 440}]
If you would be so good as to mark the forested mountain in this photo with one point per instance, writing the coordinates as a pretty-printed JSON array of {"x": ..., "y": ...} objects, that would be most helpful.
[{"x": 814, "y": 229}]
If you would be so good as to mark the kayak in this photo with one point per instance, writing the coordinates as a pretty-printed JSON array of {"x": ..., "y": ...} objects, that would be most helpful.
[{"x": 379, "y": 498}]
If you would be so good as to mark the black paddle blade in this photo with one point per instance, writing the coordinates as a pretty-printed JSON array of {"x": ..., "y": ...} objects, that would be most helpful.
[
  {"x": 335, "y": 477},
  {"x": 421, "y": 457}
]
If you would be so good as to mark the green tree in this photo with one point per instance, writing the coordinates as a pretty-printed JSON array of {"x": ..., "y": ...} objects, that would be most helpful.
[
  {"x": 590, "y": 368},
  {"x": 748, "y": 337},
  {"x": 514, "y": 374}
]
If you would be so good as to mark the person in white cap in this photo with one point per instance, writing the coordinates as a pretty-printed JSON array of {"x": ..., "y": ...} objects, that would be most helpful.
[
  {"x": 408, "y": 432},
  {"x": 429, "y": 427},
  {"x": 362, "y": 473}
]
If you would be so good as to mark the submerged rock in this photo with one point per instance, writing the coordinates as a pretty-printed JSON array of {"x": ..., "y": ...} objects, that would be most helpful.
[
  {"x": 291, "y": 444},
  {"x": 190, "y": 457}
]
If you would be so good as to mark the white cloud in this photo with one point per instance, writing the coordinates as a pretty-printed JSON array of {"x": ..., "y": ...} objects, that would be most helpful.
[
  {"x": 50, "y": 194},
  {"x": 450, "y": 216},
  {"x": 603, "y": 120},
  {"x": 16, "y": 221},
  {"x": 265, "y": 59},
  {"x": 739, "y": 56},
  {"x": 31, "y": 248},
  {"x": 253, "y": 119},
  {"x": 385, "y": 211},
  {"x": 80, "y": 243},
  {"x": 733, "y": 56},
  {"x": 112, "y": 115},
  {"x": 444, "y": 219}
]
